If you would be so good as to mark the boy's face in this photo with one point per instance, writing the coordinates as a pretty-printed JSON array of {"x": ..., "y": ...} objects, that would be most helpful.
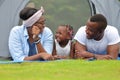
[{"x": 61, "y": 34}]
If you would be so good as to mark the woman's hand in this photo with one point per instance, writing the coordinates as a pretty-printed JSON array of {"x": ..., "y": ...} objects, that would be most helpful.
[
  {"x": 46, "y": 56},
  {"x": 35, "y": 31}
]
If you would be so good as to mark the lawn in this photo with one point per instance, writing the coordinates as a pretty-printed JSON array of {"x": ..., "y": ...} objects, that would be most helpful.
[{"x": 61, "y": 70}]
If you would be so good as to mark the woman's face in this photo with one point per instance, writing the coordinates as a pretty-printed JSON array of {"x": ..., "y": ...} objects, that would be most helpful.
[
  {"x": 40, "y": 24},
  {"x": 37, "y": 27}
]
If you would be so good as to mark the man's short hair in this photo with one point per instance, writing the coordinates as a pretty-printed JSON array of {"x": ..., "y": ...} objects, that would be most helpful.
[{"x": 99, "y": 18}]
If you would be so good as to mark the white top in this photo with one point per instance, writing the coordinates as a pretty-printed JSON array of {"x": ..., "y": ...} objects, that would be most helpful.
[
  {"x": 63, "y": 51},
  {"x": 110, "y": 37}
]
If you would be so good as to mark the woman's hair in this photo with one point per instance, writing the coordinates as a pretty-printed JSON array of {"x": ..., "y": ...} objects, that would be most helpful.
[
  {"x": 27, "y": 12},
  {"x": 70, "y": 30},
  {"x": 99, "y": 18}
]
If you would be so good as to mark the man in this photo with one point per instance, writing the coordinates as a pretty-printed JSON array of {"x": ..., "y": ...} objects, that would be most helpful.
[{"x": 97, "y": 40}]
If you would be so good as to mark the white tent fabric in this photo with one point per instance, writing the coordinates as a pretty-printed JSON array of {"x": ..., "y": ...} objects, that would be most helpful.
[
  {"x": 110, "y": 9},
  {"x": 9, "y": 17}
]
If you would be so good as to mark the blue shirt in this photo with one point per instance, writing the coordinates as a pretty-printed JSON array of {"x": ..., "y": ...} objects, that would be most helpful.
[
  {"x": 19, "y": 47},
  {"x": 32, "y": 48}
]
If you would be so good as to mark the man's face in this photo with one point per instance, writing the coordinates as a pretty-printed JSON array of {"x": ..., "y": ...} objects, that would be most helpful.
[{"x": 92, "y": 31}]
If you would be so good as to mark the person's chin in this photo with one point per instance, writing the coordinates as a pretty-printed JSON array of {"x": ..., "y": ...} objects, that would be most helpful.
[
  {"x": 58, "y": 40},
  {"x": 88, "y": 37}
]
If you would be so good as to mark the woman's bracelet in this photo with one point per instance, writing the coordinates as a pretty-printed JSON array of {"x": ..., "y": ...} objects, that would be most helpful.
[{"x": 37, "y": 41}]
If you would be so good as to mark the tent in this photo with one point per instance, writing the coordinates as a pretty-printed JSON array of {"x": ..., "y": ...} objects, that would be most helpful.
[
  {"x": 9, "y": 17},
  {"x": 109, "y": 8},
  {"x": 9, "y": 10}
]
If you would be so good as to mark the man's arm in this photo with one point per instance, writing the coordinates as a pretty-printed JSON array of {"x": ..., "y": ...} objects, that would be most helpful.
[
  {"x": 112, "y": 53},
  {"x": 81, "y": 51},
  {"x": 113, "y": 50}
]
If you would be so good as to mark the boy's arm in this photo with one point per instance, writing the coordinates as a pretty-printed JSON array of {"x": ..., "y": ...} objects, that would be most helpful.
[{"x": 54, "y": 49}]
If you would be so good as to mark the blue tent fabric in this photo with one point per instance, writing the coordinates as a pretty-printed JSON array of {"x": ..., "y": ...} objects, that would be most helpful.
[
  {"x": 19, "y": 62},
  {"x": 9, "y": 62},
  {"x": 13, "y": 62}
]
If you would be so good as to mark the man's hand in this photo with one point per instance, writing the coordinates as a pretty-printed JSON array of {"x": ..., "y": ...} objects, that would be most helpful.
[
  {"x": 83, "y": 55},
  {"x": 103, "y": 57}
]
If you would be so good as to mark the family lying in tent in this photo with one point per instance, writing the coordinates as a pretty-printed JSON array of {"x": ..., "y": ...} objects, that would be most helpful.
[{"x": 34, "y": 41}]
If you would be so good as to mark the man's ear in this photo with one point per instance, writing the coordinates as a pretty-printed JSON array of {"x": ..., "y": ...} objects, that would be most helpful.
[{"x": 101, "y": 31}]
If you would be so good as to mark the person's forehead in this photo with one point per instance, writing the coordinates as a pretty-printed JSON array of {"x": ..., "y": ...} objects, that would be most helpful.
[
  {"x": 42, "y": 18},
  {"x": 61, "y": 29},
  {"x": 92, "y": 25}
]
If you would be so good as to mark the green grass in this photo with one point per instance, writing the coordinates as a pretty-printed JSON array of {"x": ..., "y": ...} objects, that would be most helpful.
[{"x": 61, "y": 70}]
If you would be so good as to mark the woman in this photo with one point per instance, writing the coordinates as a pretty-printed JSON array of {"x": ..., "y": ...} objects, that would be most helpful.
[{"x": 32, "y": 40}]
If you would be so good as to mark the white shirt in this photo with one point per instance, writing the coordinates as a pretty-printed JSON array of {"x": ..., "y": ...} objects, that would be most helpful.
[
  {"x": 63, "y": 51},
  {"x": 110, "y": 37}
]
